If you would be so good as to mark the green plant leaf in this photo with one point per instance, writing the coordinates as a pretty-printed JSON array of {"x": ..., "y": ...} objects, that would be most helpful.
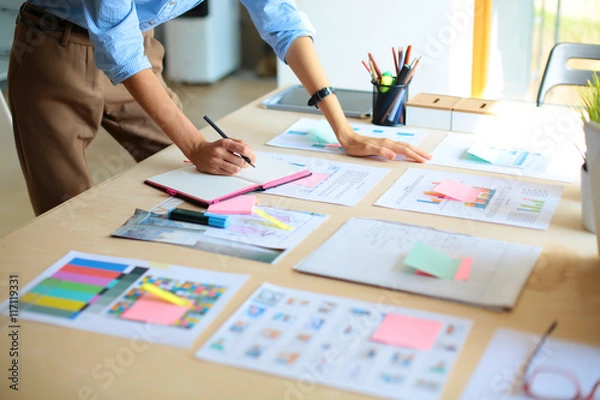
[{"x": 590, "y": 97}]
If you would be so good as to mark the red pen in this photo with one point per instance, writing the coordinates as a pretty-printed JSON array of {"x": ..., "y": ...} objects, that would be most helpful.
[
  {"x": 366, "y": 66},
  {"x": 375, "y": 67},
  {"x": 408, "y": 50}
]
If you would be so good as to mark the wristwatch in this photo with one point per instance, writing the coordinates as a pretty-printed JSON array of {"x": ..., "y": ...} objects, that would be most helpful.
[{"x": 320, "y": 95}]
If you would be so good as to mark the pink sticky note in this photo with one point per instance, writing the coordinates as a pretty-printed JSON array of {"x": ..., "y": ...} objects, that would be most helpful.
[
  {"x": 464, "y": 270},
  {"x": 423, "y": 273},
  {"x": 462, "y": 273},
  {"x": 405, "y": 331},
  {"x": 149, "y": 308},
  {"x": 236, "y": 205},
  {"x": 457, "y": 190},
  {"x": 312, "y": 180}
]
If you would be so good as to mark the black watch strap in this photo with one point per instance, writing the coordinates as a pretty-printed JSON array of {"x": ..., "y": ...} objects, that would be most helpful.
[{"x": 320, "y": 95}]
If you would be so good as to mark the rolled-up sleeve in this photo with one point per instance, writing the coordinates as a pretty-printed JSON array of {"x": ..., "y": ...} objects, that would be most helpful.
[
  {"x": 279, "y": 23},
  {"x": 118, "y": 42}
]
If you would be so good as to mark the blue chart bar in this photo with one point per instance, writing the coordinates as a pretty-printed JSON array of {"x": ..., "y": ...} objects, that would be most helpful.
[
  {"x": 405, "y": 134},
  {"x": 98, "y": 264},
  {"x": 427, "y": 201},
  {"x": 298, "y": 133},
  {"x": 522, "y": 158}
]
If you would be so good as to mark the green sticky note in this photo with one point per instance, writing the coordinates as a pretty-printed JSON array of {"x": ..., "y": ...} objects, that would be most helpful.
[
  {"x": 432, "y": 261},
  {"x": 483, "y": 152},
  {"x": 323, "y": 133}
]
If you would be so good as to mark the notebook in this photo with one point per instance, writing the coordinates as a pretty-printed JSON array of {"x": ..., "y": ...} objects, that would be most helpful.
[{"x": 193, "y": 185}]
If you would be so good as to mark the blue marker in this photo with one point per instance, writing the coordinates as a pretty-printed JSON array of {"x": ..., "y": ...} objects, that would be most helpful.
[{"x": 195, "y": 217}]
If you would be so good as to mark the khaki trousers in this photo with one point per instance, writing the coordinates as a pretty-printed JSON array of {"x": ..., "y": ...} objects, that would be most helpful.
[{"x": 59, "y": 99}]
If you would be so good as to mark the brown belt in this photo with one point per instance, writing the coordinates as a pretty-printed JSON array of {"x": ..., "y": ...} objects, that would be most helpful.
[{"x": 45, "y": 21}]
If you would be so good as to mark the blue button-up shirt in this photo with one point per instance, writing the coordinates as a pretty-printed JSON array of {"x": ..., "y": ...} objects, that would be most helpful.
[{"x": 116, "y": 27}]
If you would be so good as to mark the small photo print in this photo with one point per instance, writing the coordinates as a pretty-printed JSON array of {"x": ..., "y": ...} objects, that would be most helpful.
[
  {"x": 303, "y": 337},
  {"x": 292, "y": 301},
  {"x": 238, "y": 327},
  {"x": 327, "y": 307},
  {"x": 270, "y": 333},
  {"x": 284, "y": 317},
  {"x": 254, "y": 351},
  {"x": 255, "y": 311},
  {"x": 315, "y": 323},
  {"x": 287, "y": 358},
  {"x": 269, "y": 297},
  {"x": 218, "y": 344},
  {"x": 391, "y": 378},
  {"x": 403, "y": 359}
]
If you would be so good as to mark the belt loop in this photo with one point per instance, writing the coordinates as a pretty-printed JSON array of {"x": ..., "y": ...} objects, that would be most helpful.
[{"x": 64, "y": 41}]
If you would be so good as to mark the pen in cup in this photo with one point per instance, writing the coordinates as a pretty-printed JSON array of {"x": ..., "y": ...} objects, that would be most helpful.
[{"x": 224, "y": 136}]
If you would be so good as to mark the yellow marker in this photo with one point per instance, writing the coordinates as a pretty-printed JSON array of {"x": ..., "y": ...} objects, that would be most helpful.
[
  {"x": 273, "y": 220},
  {"x": 166, "y": 295}
]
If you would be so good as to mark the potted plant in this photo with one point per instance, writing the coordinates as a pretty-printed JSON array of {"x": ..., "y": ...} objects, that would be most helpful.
[{"x": 591, "y": 128}]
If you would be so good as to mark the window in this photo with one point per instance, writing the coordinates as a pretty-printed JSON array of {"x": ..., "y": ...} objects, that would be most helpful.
[{"x": 519, "y": 35}]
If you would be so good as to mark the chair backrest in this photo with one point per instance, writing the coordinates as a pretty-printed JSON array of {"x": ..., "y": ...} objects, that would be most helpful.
[{"x": 558, "y": 73}]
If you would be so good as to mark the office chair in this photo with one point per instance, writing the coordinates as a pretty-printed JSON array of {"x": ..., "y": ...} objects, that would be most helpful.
[{"x": 558, "y": 73}]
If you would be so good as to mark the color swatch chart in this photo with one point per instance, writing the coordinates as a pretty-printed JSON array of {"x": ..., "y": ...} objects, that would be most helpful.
[
  {"x": 371, "y": 348},
  {"x": 103, "y": 294},
  {"x": 501, "y": 201},
  {"x": 298, "y": 136}
]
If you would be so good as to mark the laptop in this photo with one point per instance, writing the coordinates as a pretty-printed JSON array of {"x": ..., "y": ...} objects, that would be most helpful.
[{"x": 355, "y": 103}]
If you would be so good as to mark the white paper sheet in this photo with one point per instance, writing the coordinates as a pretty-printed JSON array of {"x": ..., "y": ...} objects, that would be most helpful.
[
  {"x": 257, "y": 231},
  {"x": 319, "y": 339},
  {"x": 562, "y": 166},
  {"x": 144, "y": 225},
  {"x": 297, "y": 136},
  {"x": 502, "y": 201},
  {"x": 331, "y": 182},
  {"x": 49, "y": 299},
  {"x": 499, "y": 366},
  {"x": 373, "y": 251}
]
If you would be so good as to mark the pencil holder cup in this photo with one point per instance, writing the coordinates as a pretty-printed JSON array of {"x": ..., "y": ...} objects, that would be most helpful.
[
  {"x": 389, "y": 104},
  {"x": 587, "y": 201}
]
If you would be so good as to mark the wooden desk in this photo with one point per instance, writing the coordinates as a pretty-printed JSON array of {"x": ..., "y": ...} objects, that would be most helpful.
[{"x": 58, "y": 363}]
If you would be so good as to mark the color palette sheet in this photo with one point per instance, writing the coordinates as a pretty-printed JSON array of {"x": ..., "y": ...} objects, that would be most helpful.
[{"x": 102, "y": 294}]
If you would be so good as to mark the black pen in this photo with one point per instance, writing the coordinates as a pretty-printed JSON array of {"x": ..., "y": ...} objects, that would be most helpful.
[{"x": 224, "y": 136}]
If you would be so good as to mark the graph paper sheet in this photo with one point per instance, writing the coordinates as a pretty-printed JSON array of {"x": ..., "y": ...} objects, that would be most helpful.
[{"x": 498, "y": 271}]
